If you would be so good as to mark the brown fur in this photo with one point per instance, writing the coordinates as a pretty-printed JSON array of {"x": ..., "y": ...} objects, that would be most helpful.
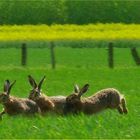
[
  {"x": 54, "y": 103},
  {"x": 45, "y": 104},
  {"x": 13, "y": 105},
  {"x": 103, "y": 99},
  {"x": 59, "y": 102}
]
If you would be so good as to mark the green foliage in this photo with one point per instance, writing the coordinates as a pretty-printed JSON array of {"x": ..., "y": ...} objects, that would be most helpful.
[
  {"x": 32, "y": 12},
  {"x": 106, "y": 125},
  {"x": 68, "y": 11}
]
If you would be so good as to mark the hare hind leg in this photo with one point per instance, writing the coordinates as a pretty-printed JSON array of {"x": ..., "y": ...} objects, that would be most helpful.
[{"x": 123, "y": 103}]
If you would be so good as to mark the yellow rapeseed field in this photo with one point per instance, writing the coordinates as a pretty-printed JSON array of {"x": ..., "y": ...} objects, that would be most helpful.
[{"x": 70, "y": 32}]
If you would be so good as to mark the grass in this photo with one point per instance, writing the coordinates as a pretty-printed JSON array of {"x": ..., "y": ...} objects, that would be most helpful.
[
  {"x": 67, "y": 57},
  {"x": 73, "y": 66},
  {"x": 70, "y": 32}
]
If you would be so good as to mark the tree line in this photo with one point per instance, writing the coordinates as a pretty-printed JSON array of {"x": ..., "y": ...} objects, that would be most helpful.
[{"x": 68, "y": 11}]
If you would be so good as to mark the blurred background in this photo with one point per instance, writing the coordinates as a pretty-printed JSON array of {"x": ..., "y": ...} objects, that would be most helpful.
[{"x": 69, "y": 24}]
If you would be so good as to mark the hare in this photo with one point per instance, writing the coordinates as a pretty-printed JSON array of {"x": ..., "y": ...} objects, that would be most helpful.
[
  {"x": 45, "y": 104},
  {"x": 53, "y": 103},
  {"x": 103, "y": 99},
  {"x": 13, "y": 105}
]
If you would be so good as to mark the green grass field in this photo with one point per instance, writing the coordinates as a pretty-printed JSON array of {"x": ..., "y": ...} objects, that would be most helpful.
[
  {"x": 67, "y": 57},
  {"x": 73, "y": 66}
]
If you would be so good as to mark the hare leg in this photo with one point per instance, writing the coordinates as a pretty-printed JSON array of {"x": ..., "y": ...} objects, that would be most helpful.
[
  {"x": 120, "y": 110},
  {"x": 123, "y": 102}
]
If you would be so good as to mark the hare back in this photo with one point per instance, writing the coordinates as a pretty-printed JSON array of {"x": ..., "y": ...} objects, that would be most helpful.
[
  {"x": 106, "y": 98},
  {"x": 58, "y": 99},
  {"x": 45, "y": 104},
  {"x": 20, "y": 105},
  {"x": 109, "y": 97},
  {"x": 59, "y": 102}
]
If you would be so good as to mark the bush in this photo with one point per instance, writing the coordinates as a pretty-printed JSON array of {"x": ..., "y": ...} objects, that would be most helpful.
[{"x": 68, "y": 11}]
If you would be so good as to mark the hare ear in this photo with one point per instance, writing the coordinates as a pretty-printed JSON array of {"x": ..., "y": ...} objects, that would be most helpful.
[
  {"x": 76, "y": 89},
  {"x": 32, "y": 81},
  {"x": 6, "y": 85},
  {"x": 83, "y": 90},
  {"x": 9, "y": 89},
  {"x": 40, "y": 83}
]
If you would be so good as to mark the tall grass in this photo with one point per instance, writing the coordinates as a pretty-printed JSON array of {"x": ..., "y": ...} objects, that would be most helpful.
[{"x": 107, "y": 125}]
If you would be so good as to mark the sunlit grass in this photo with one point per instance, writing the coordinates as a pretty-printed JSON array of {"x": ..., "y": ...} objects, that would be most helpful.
[
  {"x": 108, "y": 124},
  {"x": 74, "y": 66}
]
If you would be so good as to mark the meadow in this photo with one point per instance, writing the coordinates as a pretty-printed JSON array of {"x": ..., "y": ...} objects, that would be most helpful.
[{"x": 74, "y": 65}]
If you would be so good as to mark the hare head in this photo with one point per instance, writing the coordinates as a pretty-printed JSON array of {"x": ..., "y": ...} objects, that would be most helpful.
[
  {"x": 73, "y": 101},
  {"x": 35, "y": 93},
  {"x": 4, "y": 97}
]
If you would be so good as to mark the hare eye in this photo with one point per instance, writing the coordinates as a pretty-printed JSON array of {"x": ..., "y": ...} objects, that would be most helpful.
[
  {"x": 36, "y": 94},
  {"x": 4, "y": 97}
]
